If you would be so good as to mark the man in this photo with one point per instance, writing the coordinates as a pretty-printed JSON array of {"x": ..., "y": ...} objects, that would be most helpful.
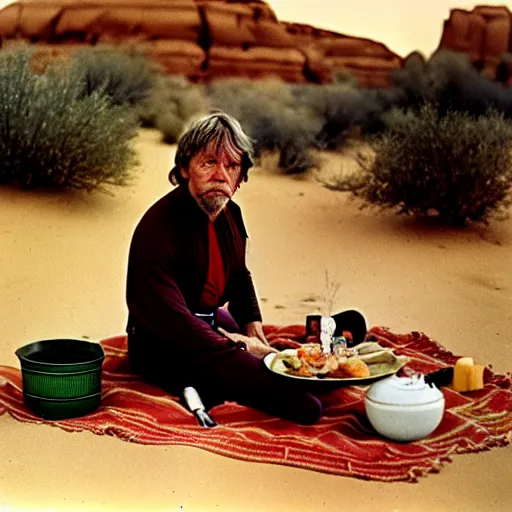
[{"x": 187, "y": 258}]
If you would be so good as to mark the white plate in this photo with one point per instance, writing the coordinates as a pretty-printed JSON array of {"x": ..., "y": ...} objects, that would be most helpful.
[{"x": 402, "y": 361}]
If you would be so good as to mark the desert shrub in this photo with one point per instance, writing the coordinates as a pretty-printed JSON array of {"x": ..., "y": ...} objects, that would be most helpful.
[
  {"x": 125, "y": 76},
  {"x": 272, "y": 117},
  {"x": 456, "y": 166},
  {"x": 414, "y": 82},
  {"x": 382, "y": 102},
  {"x": 344, "y": 76},
  {"x": 53, "y": 136},
  {"x": 459, "y": 87},
  {"x": 292, "y": 119},
  {"x": 504, "y": 69},
  {"x": 339, "y": 110},
  {"x": 450, "y": 82},
  {"x": 173, "y": 102}
]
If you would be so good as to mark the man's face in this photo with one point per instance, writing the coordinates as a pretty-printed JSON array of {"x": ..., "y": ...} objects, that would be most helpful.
[{"x": 213, "y": 178}]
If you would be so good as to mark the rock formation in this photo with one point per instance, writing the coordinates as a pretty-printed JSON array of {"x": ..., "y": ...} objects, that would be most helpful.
[
  {"x": 485, "y": 35},
  {"x": 201, "y": 39},
  {"x": 326, "y": 51}
]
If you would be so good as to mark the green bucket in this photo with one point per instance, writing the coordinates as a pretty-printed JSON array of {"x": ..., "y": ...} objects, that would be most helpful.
[{"x": 61, "y": 377}]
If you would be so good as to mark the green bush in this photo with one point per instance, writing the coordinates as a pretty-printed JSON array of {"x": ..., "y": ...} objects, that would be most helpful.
[
  {"x": 272, "y": 117},
  {"x": 450, "y": 82},
  {"x": 127, "y": 77},
  {"x": 456, "y": 166},
  {"x": 339, "y": 109},
  {"x": 173, "y": 103},
  {"x": 53, "y": 136},
  {"x": 344, "y": 76}
]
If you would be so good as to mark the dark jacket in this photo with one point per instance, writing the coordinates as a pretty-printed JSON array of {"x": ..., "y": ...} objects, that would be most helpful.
[{"x": 167, "y": 268}]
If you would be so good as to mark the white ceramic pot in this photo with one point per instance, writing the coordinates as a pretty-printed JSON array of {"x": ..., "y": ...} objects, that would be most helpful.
[{"x": 403, "y": 408}]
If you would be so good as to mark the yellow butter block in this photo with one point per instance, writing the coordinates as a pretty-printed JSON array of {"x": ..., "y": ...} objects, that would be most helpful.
[
  {"x": 477, "y": 377},
  {"x": 462, "y": 374}
]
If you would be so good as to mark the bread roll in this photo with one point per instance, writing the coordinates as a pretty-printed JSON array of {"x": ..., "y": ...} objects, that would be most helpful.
[{"x": 352, "y": 368}]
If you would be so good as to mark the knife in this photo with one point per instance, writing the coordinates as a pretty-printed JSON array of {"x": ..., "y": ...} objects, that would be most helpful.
[{"x": 195, "y": 405}]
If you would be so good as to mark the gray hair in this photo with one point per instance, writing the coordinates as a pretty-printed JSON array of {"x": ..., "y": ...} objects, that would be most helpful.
[{"x": 214, "y": 129}]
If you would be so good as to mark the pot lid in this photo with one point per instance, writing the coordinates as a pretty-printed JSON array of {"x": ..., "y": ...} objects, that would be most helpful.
[{"x": 403, "y": 391}]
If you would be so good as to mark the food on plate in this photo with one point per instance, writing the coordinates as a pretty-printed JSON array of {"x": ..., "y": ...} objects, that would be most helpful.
[
  {"x": 342, "y": 363},
  {"x": 309, "y": 360},
  {"x": 382, "y": 356},
  {"x": 368, "y": 347},
  {"x": 351, "y": 368},
  {"x": 290, "y": 359}
]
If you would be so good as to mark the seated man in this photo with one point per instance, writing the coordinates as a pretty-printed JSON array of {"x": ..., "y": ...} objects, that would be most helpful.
[{"x": 187, "y": 258}]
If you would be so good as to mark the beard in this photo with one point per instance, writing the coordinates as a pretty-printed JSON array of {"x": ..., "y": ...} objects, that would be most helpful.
[{"x": 213, "y": 204}]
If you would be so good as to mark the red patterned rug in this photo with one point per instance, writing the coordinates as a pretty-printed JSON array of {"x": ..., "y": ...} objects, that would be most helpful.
[{"x": 342, "y": 442}]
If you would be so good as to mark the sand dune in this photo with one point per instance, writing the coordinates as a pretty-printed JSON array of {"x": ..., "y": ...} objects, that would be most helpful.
[{"x": 63, "y": 260}]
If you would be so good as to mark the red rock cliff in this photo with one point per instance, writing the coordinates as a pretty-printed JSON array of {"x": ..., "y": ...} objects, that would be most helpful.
[
  {"x": 485, "y": 34},
  {"x": 201, "y": 39}
]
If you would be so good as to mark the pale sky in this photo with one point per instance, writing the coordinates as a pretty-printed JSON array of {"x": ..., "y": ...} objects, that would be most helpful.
[{"x": 402, "y": 25}]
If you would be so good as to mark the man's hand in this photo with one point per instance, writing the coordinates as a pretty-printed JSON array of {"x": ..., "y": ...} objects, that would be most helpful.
[
  {"x": 255, "y": 330},
  {"x": 254, "y": 346}
]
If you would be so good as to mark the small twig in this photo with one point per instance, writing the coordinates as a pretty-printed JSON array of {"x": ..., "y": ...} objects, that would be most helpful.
[{"x": 331, "y": 291}]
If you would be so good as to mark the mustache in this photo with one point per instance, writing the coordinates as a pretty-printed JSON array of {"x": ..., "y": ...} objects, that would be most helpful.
[{"x": 221, "y": 190}]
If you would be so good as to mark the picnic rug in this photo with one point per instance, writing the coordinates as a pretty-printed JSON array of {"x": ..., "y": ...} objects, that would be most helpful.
[{"x": 341, "y": 443}]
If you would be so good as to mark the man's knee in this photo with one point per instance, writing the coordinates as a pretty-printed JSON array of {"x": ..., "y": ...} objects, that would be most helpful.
[
  {"x": 310, "y": 411},
  {"x": 301, "y": 408}
]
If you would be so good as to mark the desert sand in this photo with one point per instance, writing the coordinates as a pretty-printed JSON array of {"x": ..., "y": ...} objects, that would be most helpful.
[{"x": 63, "y": 260}]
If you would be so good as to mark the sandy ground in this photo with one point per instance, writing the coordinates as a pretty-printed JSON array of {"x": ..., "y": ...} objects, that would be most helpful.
[{"x": 63, "y": 261}]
